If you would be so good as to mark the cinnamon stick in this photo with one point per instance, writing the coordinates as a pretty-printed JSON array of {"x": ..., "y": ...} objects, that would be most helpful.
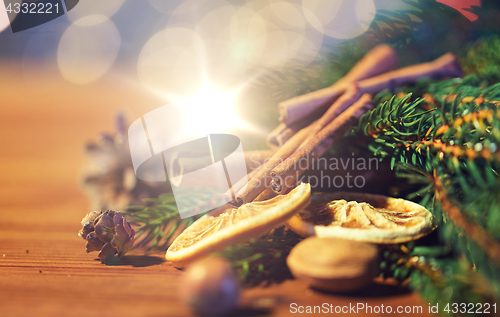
[
  {"x": 285, "y": 175},
  {"x": 444, "y": 66},
  {"x": 230, "y": 195},
  {"x": 262, "y": 176},
  {"x": 350, "y": 96},
  {"x": 380, "y": 59},
  {"x": 266, "y": 194},
  {"x": 279, "y": 136},
  {"x": 284, "y": 132}
]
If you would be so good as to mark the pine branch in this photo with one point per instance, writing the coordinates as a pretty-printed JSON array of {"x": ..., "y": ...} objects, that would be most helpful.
[
  {"x": 474, "y": 232},
  {"x": 452, "y": 136},
  {"x": 483, "y": 58},
  {"x": 449, "y": 280},
  {"x": 263, "y": 260},
  {"x": 433, "y": 271},
  {"x": 158, "y": 221}
]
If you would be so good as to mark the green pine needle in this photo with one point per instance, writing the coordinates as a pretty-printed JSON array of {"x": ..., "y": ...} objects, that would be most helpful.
[
  {"x": 263, "y": 260},
  {"x": 158, "y": 221}
]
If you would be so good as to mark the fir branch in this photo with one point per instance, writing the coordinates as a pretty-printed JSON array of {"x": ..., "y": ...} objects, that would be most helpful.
[
  {"x": 474, "y": 232},
  {"x": 453, "y": 139},
  {"x": 263, "y": 260},
  {"x": 158, "y": 221},
  {"x": 397, "y": 116},
  {"x": 483, "y": 58},
  {"x": 448, "y": 280},
  {"x": 399, "y": 261},
  {"x": 433, "y": 271}
]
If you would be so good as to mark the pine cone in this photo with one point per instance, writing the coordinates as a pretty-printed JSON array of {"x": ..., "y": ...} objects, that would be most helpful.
[
  {"x": 107, "y": 232},
  {"x": 108, "y": 174}
]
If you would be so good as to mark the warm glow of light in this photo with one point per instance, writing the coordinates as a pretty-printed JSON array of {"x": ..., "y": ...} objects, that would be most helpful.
[
  {"x": 173, "y": 60},
  {"x": 211, "y": 110},
  {"x": 216, "y": 23},
  {"x": 226, "y": 43}
]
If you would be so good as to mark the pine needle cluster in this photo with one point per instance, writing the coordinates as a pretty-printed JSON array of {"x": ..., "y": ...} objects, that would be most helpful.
[
  {"x": 263, "y": 260},
  {"x": 158, "y": 221},
  {"x": 447, "y": 140}
]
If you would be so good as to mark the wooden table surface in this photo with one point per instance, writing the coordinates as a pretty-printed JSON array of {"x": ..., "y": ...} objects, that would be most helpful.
[{"x": 44, "y": 270}]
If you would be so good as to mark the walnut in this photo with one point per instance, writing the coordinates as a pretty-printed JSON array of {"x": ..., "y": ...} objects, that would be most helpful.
[{"x": 334, "y": 264}]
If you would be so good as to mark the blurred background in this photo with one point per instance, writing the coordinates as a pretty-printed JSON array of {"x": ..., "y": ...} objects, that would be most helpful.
[
  {"x": 184, "y": 49},
  {"x": 64, "y": 82},
  {"x": 69, "y": 89},
  {"x": 188, "y": 40}
]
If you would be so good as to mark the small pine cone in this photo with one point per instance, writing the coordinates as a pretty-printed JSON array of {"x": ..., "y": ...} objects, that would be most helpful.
[
  {"x": 107, "y": 232},
  {"x": 108, "y": 174}
]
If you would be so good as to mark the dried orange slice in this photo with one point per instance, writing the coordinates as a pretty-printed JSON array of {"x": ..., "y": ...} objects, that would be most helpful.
[
  {"x": 232, "y": 226},
  {"x": 363, "y": 217}
]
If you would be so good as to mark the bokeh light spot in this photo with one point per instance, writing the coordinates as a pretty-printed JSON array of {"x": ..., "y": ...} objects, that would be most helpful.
[
  {"x": 172, "y": 62},
  {"x": 97, "y": 8},
  {"x": 341, "y": 19},
  {"x": 86, "y": 52},
  {"x": 321, "y": 11},
  {"x": 288, "y": 13},
  {"x": 216, "y": 23}
]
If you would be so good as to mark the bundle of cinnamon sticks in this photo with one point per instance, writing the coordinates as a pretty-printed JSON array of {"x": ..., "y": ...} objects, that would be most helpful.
[{"x": 311, "y": 123}]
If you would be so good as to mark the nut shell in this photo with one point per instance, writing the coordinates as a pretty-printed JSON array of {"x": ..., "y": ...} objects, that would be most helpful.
[
  {"x": 334, "y": 264},
  {"x": 210, "y": 287}
]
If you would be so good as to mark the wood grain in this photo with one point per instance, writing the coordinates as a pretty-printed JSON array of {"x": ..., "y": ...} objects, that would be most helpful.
[{"x": 44, "y": 270}]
